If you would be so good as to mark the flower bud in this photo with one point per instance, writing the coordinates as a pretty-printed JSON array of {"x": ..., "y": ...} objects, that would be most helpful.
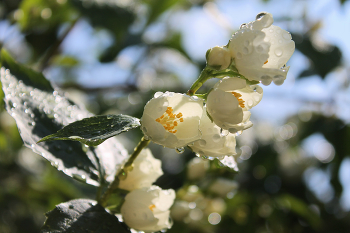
[
  {"x": 219, "y": 57},
  {"x": 146, "y": 170}
]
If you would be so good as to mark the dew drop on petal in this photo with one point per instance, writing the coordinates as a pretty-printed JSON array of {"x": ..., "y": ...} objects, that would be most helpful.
[
  {"x": 260, "y": 16},
  {"x": 278, "y": 80},
  {"x": 216, "y": 137},
  {"x": 243, "y": 26},
  {"x": 250, "y": 103},
  {"x": 157, "y": 94},
  {"x": 180, "y": 150},
  {"x": 224, "y": 132},
  {"x": 239, "y": 55},
  {"x": 202, "y": 142},
  {"x": 266, "y": 80},
  {"x": 278, "y": 52}
]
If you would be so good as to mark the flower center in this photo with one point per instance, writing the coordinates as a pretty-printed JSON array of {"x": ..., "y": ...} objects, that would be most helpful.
[
  {"x": 151, "y": 207},
  {"x": 170, "y": 120},
  {"x": 240, "y": 100}
]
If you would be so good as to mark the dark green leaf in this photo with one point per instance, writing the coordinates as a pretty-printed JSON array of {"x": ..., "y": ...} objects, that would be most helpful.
[
  {"x": 39, "y": 111},
  {"x": 82, "y": 216},
  {"x": 26, "y": 75},
  {"x": 95, "y": 130},
  {"x": 159, "y": 7},
  {"x": 299, "y": 207},
  {"x": 108, "y": 14},
  {"x": 323, "y": 61}
]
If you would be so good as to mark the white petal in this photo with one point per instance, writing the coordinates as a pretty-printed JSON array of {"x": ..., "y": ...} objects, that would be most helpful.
[
  {"x": 230, "y": 84},
  {"x": 223, "y": 107},
  {"x": 212, "y": 143}
]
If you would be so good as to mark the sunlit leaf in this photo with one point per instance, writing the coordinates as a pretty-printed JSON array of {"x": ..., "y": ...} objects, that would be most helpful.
[
  {"x": 95, "y": 130},
  {"x": 81, "y": 216},
  {"x": 39, "y": 110}
]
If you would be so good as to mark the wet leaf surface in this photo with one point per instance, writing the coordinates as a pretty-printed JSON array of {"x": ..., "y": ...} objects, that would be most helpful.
[
  {"x": 39, "y": 110},
  {"x": 82, "y": 216},
  {"x": 94, "y": 130}
]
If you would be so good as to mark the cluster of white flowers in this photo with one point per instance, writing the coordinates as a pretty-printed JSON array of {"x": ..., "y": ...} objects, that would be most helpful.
[
  {"x": 257, "y": 53},
  {"x": 146, "y": 207}
]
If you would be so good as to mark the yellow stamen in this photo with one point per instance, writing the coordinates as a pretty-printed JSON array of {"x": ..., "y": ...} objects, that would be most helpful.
[
  {"x": 266, "y": 62},
  {"x": 151, "y": 207},
  {"x": 169, "y": 120},
  {"x": 240, "y": 100}
]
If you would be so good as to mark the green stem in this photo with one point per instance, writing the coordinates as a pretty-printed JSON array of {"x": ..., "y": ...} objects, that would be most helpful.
[
  {"x": 123, "y": 171},
  {"x": 208, "y": 73}
]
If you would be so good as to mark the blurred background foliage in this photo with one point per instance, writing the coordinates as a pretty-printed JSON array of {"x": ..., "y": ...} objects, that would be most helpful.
[{"x": 114, "y": 55}]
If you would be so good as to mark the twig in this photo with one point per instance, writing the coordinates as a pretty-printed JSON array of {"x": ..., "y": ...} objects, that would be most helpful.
[{"x": 122, "y": 174}]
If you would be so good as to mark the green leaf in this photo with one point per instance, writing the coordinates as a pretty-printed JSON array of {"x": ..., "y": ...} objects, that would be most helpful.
[
  {"x": 26, "y": 75},
  {"x": 111, "y": 15},
  {"x": 39, "y": 110},
  {"x": 81, "y": 216},
  {"x": 159, "y": 7},
  {"x": 95, "y": 130},
  {"x": 299, "y": 207},
  {"x": 66, "y": 61},
  {"x": 43, "y": 14}
]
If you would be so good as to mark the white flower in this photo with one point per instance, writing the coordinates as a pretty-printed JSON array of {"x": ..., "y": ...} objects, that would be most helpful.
[
  {"x": 219, "y": 56},
  {"x": 229, "y": 102},
  {"x": 213, "y": 143},
  {"x": 147, "y": 209},
  {"x": 196, "y": 168},
  {"x": 146, "y": 170},
  {"x": 261, "y": 50},
  {"x": 172, "y": 119}
]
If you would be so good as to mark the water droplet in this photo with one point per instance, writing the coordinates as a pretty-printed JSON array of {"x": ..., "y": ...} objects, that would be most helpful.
[
  {"x": 238, "y": 55},
  {"x": 54, "y": 164},
  {"x": 216, "y": 137},
  {"x": 180, "y": 150},
  {"x": 195, "y": 98},
  {"x": 266, "y": 80},
  {"x": 278, "y": 80},
  {"x": 239, "y": 132},
  {"x": 224, "y": 132},
  {"x": 79, "y": 177},
  {"x": 158, "y": 94},
  {"x": 260, "y": 15},
  {"x": 250, "y": 103},
  {"x": 245, "y": 50},
  {"x": 122, "y": 175},
  {"x": 286, "y": 35},
  {"x": 202, "y": 142},
  {"x": 259, "y": 49},
  {"x": 278, "y": 52},
  {"x": 31, "y": 123},
  {"x": 243, "y": 26},
  {"x": 246, "y": 43}
]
